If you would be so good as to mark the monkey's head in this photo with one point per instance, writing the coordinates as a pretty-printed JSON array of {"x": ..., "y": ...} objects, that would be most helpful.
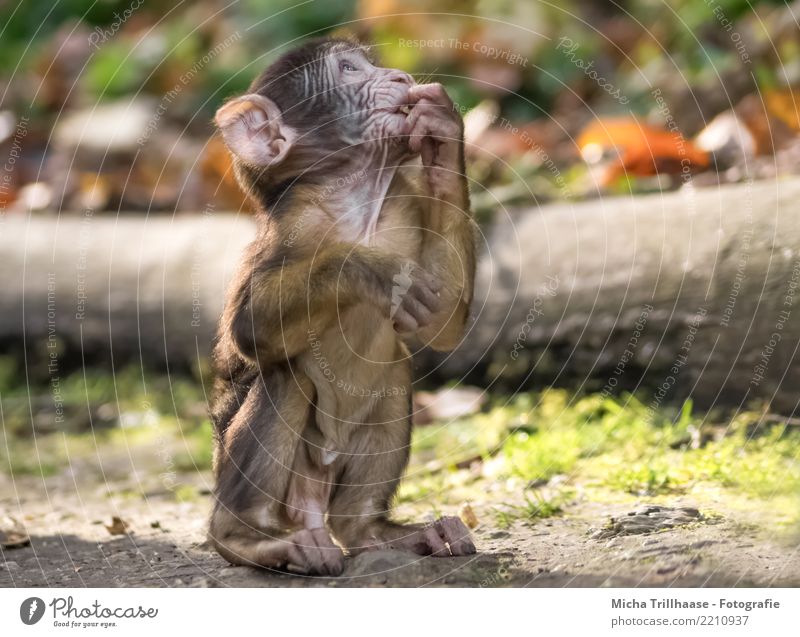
[{"x": 315, "y": 108}]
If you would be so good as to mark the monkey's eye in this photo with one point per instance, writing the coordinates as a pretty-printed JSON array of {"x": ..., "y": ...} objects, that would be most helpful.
[{"x": 347, "y": 66}]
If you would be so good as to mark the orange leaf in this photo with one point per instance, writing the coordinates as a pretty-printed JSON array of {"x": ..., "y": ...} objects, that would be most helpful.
[
  {"x": 785, "y": 105},
  {"x": 634, "y": 148}
]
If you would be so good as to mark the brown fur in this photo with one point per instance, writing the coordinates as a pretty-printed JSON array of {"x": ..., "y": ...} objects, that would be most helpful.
[{"x": 303, "y": 453}]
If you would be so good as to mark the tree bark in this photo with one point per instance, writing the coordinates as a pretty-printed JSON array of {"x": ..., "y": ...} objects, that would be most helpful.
[
  {"x": 690, "y": 293},
  {"x": 87, "y": 288}
]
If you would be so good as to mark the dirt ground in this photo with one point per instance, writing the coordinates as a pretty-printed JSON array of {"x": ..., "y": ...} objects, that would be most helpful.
[{"x": 165, "y": 546}]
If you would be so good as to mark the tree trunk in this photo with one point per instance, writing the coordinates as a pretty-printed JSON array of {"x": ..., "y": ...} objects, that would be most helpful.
[
  {"x": 691, "y": 293},
  {"x": 686, "y": 293},
  {"x": 102, "y": 289}
]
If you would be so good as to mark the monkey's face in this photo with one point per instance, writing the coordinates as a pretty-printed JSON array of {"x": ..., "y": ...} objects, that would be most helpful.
[
  {"x": 370, "y": 102},
  {"x": 314, "y": 103}
]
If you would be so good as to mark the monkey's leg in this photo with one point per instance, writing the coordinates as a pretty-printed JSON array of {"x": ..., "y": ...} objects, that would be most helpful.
[
  {"x": 309, "y": 551},
  {"x": 368, "y": 479},
  {"x": 250, "y": 523}
]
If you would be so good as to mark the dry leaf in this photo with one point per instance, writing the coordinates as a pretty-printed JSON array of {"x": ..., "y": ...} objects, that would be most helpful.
[
  {"x": 118, "y": 526},
  {"x": 785, "y": 105},
  {"x": 638, "y": 149},
  {"x": 468, "y": 516}
]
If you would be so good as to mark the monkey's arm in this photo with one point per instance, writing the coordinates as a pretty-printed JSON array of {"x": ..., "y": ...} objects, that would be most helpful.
[
  {"x": 281, "y": 305},
  {"x": 448, "y": 245},
  {"x": 448, "y": 253}
]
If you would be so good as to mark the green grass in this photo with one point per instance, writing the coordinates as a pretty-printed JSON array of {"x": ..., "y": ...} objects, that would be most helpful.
[
  {"x": 618, "y": 443},
  {"x": 536, "y": 506},
  {"x": 608, "y": 445}
]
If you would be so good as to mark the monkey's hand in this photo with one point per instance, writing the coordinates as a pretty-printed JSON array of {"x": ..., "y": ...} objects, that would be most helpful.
[
  {"x": 436, "y": 132},
  {"x": 414, "y": 299}
]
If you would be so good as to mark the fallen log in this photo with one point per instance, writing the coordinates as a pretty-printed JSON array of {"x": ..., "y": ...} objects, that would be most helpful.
[
  {"x": 98, "y": 289},
  {"x": 689, "y": 293}
]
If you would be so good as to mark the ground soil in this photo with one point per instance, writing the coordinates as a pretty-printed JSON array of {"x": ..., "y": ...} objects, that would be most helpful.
[{"x": 165, "y": 545}]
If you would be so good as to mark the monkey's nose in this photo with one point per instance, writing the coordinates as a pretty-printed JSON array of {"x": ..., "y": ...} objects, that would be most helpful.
[{"x": 399, "y": 76}]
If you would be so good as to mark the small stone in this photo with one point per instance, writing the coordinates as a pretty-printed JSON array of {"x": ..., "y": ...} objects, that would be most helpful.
[
  {"x": 200, "y": 582},
  {"x": 12, "y": 533},
  {"x": 647, "y": 510},
  {"x": 636, "y": 529},
  {"x": 637, "y": 519}
]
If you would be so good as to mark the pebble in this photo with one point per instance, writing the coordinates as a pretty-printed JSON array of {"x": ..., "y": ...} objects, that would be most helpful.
[
  {"x": 496, "y": 535},
  {"x": 648, "y": 519},
  {"x": 635, "y": 529},
  {"x": 637, "y": 519},
  {"x": 646, "y": 510}
]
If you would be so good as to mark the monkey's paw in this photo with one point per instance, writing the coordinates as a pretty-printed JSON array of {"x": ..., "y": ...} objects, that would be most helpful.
[
  {"x": 312, "y": 552},
  {"x": 414, "y": 299},
  {"x": 456, "y": 534},
  {"x": 444, "y": 538}
]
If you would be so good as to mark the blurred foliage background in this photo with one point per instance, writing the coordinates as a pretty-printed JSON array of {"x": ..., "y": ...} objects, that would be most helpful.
[{"x": 119, "y": 95}]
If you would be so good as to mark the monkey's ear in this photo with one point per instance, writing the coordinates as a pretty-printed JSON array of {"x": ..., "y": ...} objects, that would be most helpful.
[{"x": 254, "y": 130}]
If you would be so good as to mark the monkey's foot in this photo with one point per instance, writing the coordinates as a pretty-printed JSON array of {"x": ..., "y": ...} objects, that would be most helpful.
[
  {"x": 312, "y": 552},
  {"x": 446, "y": 537}
]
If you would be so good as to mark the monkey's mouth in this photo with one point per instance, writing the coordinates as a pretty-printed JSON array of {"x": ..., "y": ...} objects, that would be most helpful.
[{"x": 399, "y": 109}]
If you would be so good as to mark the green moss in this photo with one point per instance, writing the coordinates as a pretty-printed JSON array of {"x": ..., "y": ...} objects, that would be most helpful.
[
  {"x": 615, "y": 448},
  {"x": 620, "y": 445}
]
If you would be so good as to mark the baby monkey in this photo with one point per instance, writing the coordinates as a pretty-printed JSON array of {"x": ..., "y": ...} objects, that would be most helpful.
[{"x": 365, "y": 246}]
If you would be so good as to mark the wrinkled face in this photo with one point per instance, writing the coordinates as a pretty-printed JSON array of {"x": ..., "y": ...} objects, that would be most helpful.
[
  {"x": 313, "y": 106},
  {"x": 371, "y": 102},
  {"x": 333, "y": 91}
]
